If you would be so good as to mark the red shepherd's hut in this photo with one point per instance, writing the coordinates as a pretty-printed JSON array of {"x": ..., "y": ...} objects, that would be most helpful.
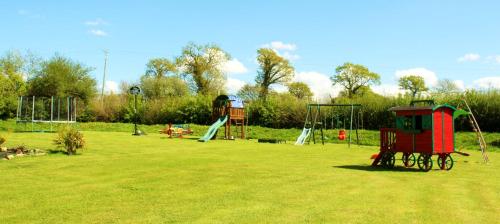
[{"x": 427, "y": 130}]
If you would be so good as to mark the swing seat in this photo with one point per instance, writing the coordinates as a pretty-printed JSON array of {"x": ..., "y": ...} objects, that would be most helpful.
[{"x": 342, "y": 135}]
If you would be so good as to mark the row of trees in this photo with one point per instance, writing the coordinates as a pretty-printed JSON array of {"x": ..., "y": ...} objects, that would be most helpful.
[
  {"x": 199, "y": 69},
  {"x": 181, "y": 89},
  {"x": 30, "y": 75}
]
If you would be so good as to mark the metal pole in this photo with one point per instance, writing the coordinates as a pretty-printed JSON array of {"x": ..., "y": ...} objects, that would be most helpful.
[
  {"x": 21, "y": 112},
  {"x": 350, "y": 128},
  {"x": 74, "y": 108},
  {"x": 67, "y": 99},
  {"x": 357, "y": 127},
  {"x": 17, "y": 110},
  {"x": 321, "y": 127},
  {"x": 33, "y": 114},
  {"x": 59, "y": 109},
  {"x": 51, "y": 112}
]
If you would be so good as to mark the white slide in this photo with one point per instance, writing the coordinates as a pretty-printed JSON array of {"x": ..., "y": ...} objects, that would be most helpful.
[{"x": 303, "y": 136}]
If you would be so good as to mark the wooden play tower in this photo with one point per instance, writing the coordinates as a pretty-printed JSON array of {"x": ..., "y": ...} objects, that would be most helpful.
[{"x": 233, "y": 107}]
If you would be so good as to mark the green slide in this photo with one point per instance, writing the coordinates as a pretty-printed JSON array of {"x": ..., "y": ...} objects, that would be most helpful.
[{"x": 213, "y": 129}]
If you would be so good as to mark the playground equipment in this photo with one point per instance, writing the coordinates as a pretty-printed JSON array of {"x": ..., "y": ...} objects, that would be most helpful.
[
  {"x": 177, "y": 130},
  {"x": 227, "y": 111},
  {"x": 427, "y": 130},
  {"x": 475, "y": 127},
  {"x": 51, "y": 110},
  {"x": 315, "y": 120}
]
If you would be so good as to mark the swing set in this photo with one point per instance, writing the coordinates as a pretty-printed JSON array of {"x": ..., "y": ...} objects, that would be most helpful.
[{"x": 340, "y": 116}]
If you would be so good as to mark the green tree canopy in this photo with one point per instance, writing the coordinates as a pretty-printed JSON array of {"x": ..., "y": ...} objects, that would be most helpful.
[
  {"x": 300, "y": 90},
  {"x": 14, "y": 69},
  {"x": 249, "y": 92},
  {"x": 354, "y": 77},
  {"x": 159, "y": 67},
  {"x": 63, "y": 77},
  {"x": 203, "y": 65},
  {"x": 413, "y": 83},
  {"x": 160, "y": 87},
  {"x": 273, "y": 69},
  {"x": 446, "y": 86},
  {"x": 12, "y": 66}
]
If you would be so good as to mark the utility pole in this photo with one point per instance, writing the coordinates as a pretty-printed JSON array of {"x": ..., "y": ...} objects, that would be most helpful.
[{"x": 104, "y": 74}]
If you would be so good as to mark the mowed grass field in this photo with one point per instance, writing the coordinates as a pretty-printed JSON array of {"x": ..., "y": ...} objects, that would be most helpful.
[{"x": 152, "y": 179}]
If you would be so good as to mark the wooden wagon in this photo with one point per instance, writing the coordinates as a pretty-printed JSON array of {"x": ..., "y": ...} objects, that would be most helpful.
[{"x": 424, "y": 130}]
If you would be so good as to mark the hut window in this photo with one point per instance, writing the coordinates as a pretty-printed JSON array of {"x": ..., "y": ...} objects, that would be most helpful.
[
  {"x": 407, "y": 123},
  {"x": 404, "y": 123},
  {"x": 415, "y": 123},
  {"x": 427, "y": 122},
  {"x": 400, "y": 122},
  {"x": 418, "y": 122}
]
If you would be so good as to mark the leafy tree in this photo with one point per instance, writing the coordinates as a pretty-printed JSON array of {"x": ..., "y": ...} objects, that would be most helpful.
[
  {"x": 249, "y": 92},
  {"x": 12, "y": 66},
  {"x": 159, "y": 67},
  {"x": 354, "y": 77},
  {"x": 160, "y": 87},
  {"x": 203, "y": 65},
  {"x": 12, "y": 84},
  {"x": 412, "y": 83},
  {"x": 274, "y": 69},
  {"x": 446, "y": 86},
  {"x": 300, "y": 90},
  {"x": 63, "y": 77},
  {"x": 155, "y": 82}
]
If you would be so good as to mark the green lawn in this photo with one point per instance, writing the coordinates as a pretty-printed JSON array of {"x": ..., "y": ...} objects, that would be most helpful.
[
  {"x": 152, "y": 179},
  {"x": 464, "y": 140}
]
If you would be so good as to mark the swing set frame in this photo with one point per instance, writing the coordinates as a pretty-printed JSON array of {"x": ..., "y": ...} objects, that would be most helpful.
[{"x": 314, "y": 111}]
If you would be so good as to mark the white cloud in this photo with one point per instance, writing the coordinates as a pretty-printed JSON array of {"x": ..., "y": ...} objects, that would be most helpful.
[
  {"x": 320, "y": 84},
  {"x": 96, "y": 22},
  {"x": 460, "y": 84},
  {"x": 234, "y": 66},
  {"x": 469, "y": 57},
  {"x": 290, "y": 56},
  {"x": 387, "y": 90},
  {"x": 234, "y": 85},
  {"x": 99, "y": 33},
  {"x": 278, "y": 45},
  {"x": 279, "y": 88},
  {"x": 428, "y": 75},
  {"x": 497, "y": 58},
  {"x": 111, "y": 87},
  {"x": 488, "y": 82}
]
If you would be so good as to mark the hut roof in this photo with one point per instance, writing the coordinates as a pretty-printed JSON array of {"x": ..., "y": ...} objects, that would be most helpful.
[{"x": 414, "y": 108}]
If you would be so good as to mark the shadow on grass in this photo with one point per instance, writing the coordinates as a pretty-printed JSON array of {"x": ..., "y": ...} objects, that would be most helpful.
[
  {"x": 183, "y": 138},
  {"x": 56, "y": 152},
  {"x": 377, "y": 168}
]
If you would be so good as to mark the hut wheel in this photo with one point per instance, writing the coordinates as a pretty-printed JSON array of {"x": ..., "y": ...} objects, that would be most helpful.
[
  {"x": 424, "y": 162},
  {"x": 389, "y": 160},
  {"x": 409, "y": 159},
  {"x": 448, "y": 162}
]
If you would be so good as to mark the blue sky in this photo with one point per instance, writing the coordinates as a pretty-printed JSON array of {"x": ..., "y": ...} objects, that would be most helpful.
[{"x": 436, "y": 39}]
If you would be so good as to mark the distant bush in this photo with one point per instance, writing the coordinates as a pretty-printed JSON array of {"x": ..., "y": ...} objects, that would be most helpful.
[
  {"x": 279, "y": 111},
  {"x": 70, "y": 139}
]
